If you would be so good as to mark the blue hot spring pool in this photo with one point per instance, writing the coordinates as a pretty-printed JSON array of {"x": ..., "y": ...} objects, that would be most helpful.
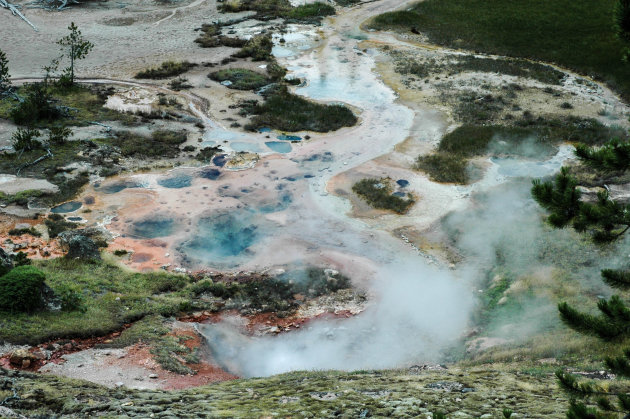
[
  {"x": 151, "y": 228},
  {"x": 176, "y": 182},
  {"x": 71, "y": 206},
  {"x": 224, "y": 239}
]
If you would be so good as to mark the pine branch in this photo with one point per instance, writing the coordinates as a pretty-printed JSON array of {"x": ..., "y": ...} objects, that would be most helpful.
[
  {"x": 614, "y": 156},
  {"x": 624, "y": 402},
  {"x": 619, "y": 365},
  {"x": 570, "y": 383},
  {"x": 617, "y": 278}
]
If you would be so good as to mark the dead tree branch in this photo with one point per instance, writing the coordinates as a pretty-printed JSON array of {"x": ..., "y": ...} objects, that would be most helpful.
[{"x": 15, "y": 10}]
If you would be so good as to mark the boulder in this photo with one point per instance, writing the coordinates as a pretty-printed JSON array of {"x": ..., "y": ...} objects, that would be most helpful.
[
  {"x": 78, "y": 245},
  {"x": 6, "y": 262},
  {"x": 22, "y": 358}
]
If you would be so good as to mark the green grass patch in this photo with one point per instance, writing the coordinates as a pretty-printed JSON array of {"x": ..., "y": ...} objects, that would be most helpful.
[
  {"x": 529, "y": 138},
  {"x": 576, "y": 35},
  {"x": 166, "y": 349},
  {"x": 165, "y": 70},
  {"x": 459, "y": 64},
  {"x": 79, "y": 106},
  {"x": 49, "y": 169},
  {"x": 241, "y": 79},
  {"x": 258, "y": 48},
  {"x": 112, "y": 296},
  {"x": 163, "y": 143},
  {"x": 444, "y": 167},
  {"x": 285, "y": 111},
  {"x": 378, "y": 193},
  {"x": 310, "y": 11},
  {"x": 270, "y": 9}
]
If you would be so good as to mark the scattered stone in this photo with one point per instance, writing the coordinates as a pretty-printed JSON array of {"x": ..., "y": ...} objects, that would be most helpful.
[
  {"x": 5, "y": 412},
  {"x": 153, "y": 376},
  {"x": 119, "y": 384},
  {"x": 324, "y": 395},
  {"x": 449, "y": 386}
]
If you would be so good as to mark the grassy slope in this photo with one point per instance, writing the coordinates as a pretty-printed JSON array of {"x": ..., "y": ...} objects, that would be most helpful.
[
  {"x": 574, "y": 34},
  {"x": 394, "y": 393}
]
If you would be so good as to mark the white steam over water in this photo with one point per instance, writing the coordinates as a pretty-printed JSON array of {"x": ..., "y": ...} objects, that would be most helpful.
[{"x": 420, "y": 310}]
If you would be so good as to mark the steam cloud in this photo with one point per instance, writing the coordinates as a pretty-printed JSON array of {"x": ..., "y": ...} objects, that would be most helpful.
[{"x": 419, "y": 311}]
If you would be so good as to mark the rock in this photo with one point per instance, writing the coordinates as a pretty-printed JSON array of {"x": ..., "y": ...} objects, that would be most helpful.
[
  {"x": 22, "y": 358},
  {"x": 119, "y": 384},
  {"x": 153, "y": 376},
  {"x": 78, "y": 245},
  {"x": 5, "y": 412},
  {"x": 6, "y": 262}
]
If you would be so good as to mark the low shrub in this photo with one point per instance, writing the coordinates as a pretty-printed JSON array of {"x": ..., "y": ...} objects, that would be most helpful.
[
  {"x": 25, "y": 139},
  {"x": 57, "y": 224},
  {"x": 165, "y": 70},
  {"x": 258, "y": 48},
  {"x": 288, "y": 112},
  {"x": 241, "y": 79},
  {"x": 36, "y": 106},
  {"x": 444, "y": 167},
  {"x": 378, "y": 193},
  {"x": 163, "y": 143},
  {"x": 21, "y": 290}
]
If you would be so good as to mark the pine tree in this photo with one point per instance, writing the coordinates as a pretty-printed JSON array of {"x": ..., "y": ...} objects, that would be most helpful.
[
  {"x": 5, "y": 78},
  {"x": 76, "y": 47},
  {"x": 605, "y": 220},
  {"x": 621, "y": 22}
]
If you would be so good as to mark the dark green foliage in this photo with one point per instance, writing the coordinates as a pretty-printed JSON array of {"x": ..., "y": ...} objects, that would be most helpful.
[
  {"x": 577, "y": 35},
  {"x": 611, "y": 157},
  {"x": 509, "y": 66},
  {"x": 165, "y": 70},
  {"x": 269, "y": 9},
  {"x": 71, "y": 298},
  {"x": 274, "y": 294},
  {"x": 120, "y": 252},
  {"x": 57, "y": 224},
  {"x": 21, "y": 289},
  {"x": 75, "y": 47},
  {"x": 20, "y": 259},
  {"x": 21, "y": 231},
  {"x": 59, "y": 135},
  {"x": 346, "y": 3},
  {"x": 439, "y": 415},
  {"x": 561, "y": 197},
  {"x": 257, "y": 47},
  {"x": 241, "y": 79},
  {"x": 25, "y": 139},
  {"x": 578, "y": 410},
  {"x": 211, "y": 37},
  {"x": 162, "y": 143},
  {"x": 310, "y": 11},
  {"x": 378, "y": 193},
  {"x": 617, "y": 278},
  {"x": 179, "y": 84},
  {"x": 207, "y": 153},
  {"x": 606, "y": 220},
  {"x": 288, "y": 112},
  {"x": 507, "y": 413},
  {"x": 621, "y": 20},
  {"x": 36, "y": 106},
  {"x": 444, "y": 167},
  {"x": 5, "y": 78},
  {"x": 572, "y": 384},
  {"x": 275, "y": 71}
]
